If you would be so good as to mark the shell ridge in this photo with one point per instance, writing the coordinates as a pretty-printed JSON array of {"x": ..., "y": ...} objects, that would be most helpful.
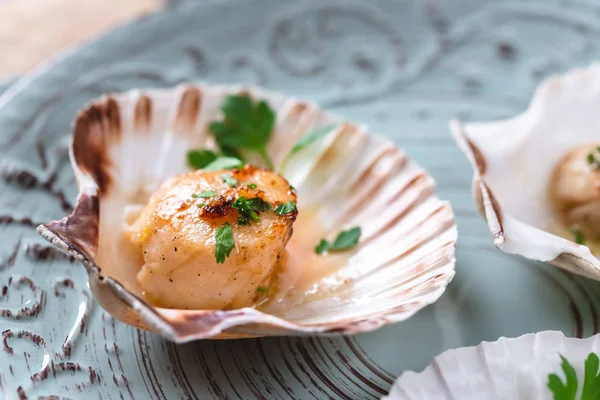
[{"x": 162, "y": 124}]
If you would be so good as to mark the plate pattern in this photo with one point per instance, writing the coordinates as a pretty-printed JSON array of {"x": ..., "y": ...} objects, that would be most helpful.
[{"x": 405, "y": 67}]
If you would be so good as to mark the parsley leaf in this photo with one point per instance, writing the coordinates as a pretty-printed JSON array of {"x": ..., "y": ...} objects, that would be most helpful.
[
  {"x": 322, "y": 247},
  {"x": 230, "y": 180},
  {"x": 249, "y": 208},
  {"x": 591, "y": 159},
  {"x": 246, "y": 125},
  {"x": 198, "y": 159},
  {"x": 204, "y": 195},
  {"x": 286, "y": 208},
  {"x": 200, "y": 205},
  {"x": 346, "y": 239},
  {"x": 591, "y": 380},
  {"x": 305, "y": 141},
  {"x": 262, "y": 289},
  {"x": 579, "y": 238},
  {"x": 224, "y": 163},
  {"x": 243, "y": 221},
  {"x": 252, "y": 185},
  {"x": 224, "y": 242},
  {"x": 245, "y": 209},
  {"x": 568, "y": 390},
  {"x": 259, "y": 204}
]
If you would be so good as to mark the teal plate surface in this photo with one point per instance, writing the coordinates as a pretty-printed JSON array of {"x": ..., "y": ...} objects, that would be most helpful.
[{"x": 405, "y": 68}]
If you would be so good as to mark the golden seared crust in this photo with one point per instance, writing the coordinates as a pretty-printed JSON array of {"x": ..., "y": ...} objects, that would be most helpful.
[
  {"x": 175, "y": 195},
  {"x": 176, "y": 232}
]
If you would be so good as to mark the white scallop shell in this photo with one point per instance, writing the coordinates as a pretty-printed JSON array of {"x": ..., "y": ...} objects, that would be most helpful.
[
  {"x": 513, "y": 161},
  {"x": 515, "y": 369},
  {"x": 129, "y": 143}
]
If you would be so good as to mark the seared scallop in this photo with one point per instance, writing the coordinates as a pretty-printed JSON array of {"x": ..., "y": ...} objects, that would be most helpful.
[
  {"x": 212, "y": 240},
  {"x": 575, "y": 190}
]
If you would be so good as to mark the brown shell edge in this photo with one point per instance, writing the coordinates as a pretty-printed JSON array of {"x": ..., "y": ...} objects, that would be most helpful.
[
  {"x": 99, "y": 124},
  {"x": 489, "y": 208},
  {"x": 486, "y": 203},
  {"x": 111, "y": 296}
]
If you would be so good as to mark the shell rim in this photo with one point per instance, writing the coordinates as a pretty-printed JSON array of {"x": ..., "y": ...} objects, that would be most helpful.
[
  {"x": 407, "y": 376},
  {"x": 160, "y": 324},
  {"x": 484, "y": 198}
]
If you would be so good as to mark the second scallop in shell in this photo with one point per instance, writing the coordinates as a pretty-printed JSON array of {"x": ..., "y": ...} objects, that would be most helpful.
[{"x": 537, "y": 176}]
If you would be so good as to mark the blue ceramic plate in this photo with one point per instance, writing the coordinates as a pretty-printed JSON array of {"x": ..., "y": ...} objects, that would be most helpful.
[{"x": 405, "y": 68}]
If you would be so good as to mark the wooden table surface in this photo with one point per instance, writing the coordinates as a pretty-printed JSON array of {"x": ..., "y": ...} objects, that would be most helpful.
[{"x": 32, "y": 31}]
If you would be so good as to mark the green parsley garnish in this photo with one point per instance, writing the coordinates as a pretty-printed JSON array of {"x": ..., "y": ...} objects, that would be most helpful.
[
  {"x": 322, "y": 247},
  {"x": 252, "y": 185},
  {"x": 243, "y": 221},
  {"x": 568, "y": 390},
  {"x": 345, "y": 240},
  {"x": 245, "y": 209},
  {"x": 259, "y": 204},
  {"x": 224, "y": 242},
  {"x": 306, "y": 141},
  {"x": 224, "y": 163},
  {"x": 286, "y": 208},
  {"x": 593, "y": 158},
  {"x": 204, "y": 195},
  {"x": 249, "y": 208},
  {"x": 579, "y": 238},
  {"x": 200, "y": 205},
  {"x": 198, "y": 159},
  {"x": 230, "y": 180},
  {"x": 262, "y": 289},
  {"x": 246, "y": 125}
]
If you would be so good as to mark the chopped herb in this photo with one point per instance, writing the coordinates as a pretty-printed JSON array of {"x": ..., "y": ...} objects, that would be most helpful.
[
  {"x": 224, "y": 243},
  {"x": 224, "y": 163},
  {"x": 259, "y": 204},
  {"x": 262, "y": 289},
  {"x": 286, "y": 208},
  {"x": 567, "y": 390},
  {"x": 593, "y": 160},
  {"x": 229, "y": 151},
  {"x": 322, "y": 247},
  {"x": 248, "y": 208},
  {"x": 246, "y": 125},
  {"x": 204, "y": 195},
  {"x": 231, "y": 181},
  {"x": 200, "y": 205},
  {"x": 243, "y": 221},
  {"x": 345, "y": 240},
  {"x": 252, "y": 186},
  {"x": 198, "y": 159},
  {"x": 245, "y": 209},
  {"x": 579, "y": 238},
  {"x": 306, "y": 141}
]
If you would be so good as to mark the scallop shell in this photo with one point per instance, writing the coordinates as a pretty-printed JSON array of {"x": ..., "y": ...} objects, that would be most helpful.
[
  {"x": 513, "y": 161},
  {"x": 128, "y": 143},
  {"x": 514, "y": 369}
]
